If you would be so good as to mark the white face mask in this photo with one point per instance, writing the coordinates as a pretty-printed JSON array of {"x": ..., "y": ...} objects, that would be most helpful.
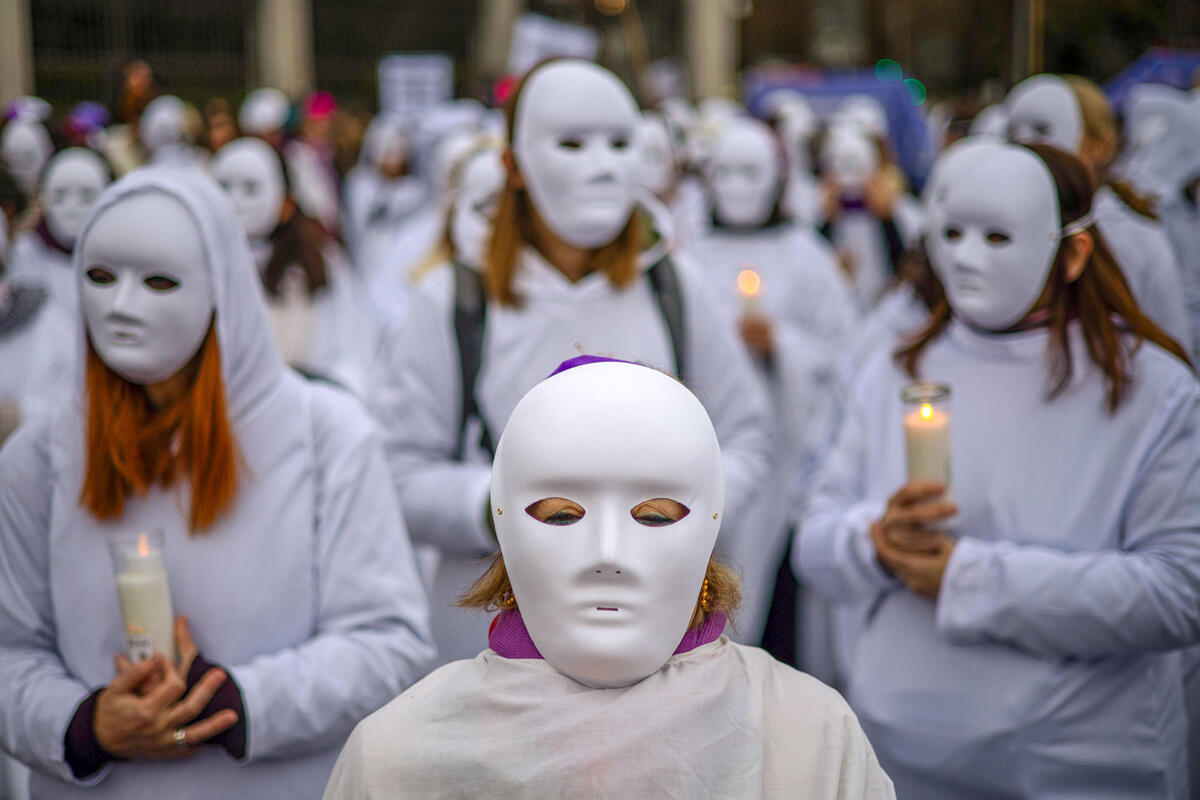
[
  {"x": 249, "y": 171},
  {"x": 951, "y": 162},
  {"x": 146, "y": 287},
  {"x": 25, "y": 147},
  {"x": 849, "y": 157},
  {"x": 745, "y": 173},
  {"x": 656, "y": 170},
  {"x": 482, "y": 179},
  {"x": 573, "y": 139},
  {"x": 1043, "y": 109},
  {"x": 607, "y": 598},
  {"x": 73, "y": 181},
  {"x": 999, "y": 234}
]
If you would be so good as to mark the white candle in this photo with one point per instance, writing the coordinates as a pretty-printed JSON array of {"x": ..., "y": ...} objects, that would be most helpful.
[
  {"x": 927, "y": 444},
  {"x": 749, "y": 285},
  {"x": 145, "y": 597}
]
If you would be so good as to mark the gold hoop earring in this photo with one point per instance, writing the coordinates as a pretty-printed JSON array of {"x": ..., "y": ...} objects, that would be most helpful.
[{"x": 705, "y": 597}]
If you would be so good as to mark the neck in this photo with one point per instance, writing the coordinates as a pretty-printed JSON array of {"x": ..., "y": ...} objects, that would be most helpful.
[
  {"x": 165, "y": 393},
  {"x": 573, "y": 262}
]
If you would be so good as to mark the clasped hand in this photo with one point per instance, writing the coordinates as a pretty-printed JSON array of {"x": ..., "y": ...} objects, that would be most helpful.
[
  {"x": 138, "y": 714},
  {"x": 907, "y": 540}
]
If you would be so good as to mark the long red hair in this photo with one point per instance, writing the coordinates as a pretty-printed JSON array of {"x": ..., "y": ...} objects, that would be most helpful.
[{"x": 132, "y": 446}]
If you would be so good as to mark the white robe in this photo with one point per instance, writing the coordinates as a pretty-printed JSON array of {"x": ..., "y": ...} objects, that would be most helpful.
[
  {"x": 31, "y": 260},
  {"x": 1043, "y": 668},
  {"x": 39, "y": 361},
  {"x": 305, "y": 590},
  {"x": 720, "y": 721},
  {"x": 805, "y": 296},
  {"x": 417, "y": 399}
]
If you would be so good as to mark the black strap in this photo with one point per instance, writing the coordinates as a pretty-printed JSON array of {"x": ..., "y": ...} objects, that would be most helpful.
[
  {"x": 664, "y": 282},
  {"x": 470, "y": 317},
  {"x": 24, "y": 305}
]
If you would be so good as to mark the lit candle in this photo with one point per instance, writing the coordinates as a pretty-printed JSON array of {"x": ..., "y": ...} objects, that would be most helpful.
[
  {"x": 749, "y": 286},
  {"x": 144, "y": 595},
  {"x": 927, "y": 432}
]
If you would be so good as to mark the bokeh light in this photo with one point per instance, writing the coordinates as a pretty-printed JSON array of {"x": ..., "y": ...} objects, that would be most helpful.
[
  {"x": 888, "y": 70},
  {"x": 611, "y": 7},
  {"x": 916, "y": 90}
]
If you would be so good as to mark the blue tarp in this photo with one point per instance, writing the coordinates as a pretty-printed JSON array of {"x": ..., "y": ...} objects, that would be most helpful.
[
  {"x": 1177, "y": 68},
  {"x": 825, "y": 91}
]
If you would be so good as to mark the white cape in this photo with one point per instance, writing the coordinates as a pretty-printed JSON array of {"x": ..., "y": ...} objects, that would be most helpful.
[{"x": 719, "y": 721}]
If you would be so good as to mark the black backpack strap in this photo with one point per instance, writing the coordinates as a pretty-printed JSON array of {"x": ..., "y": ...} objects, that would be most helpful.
[
  {"x": 664, "y": 283},
  {"x": 470, "y": 317}
]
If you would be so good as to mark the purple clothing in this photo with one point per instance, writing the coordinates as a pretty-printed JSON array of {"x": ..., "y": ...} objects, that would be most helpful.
[
  {"x": 579, "y": 361},
  {"x": 509, "y": 637}
]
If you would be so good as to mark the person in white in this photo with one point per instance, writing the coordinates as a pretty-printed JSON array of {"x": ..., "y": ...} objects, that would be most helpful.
[
  {"x": 607, "y": 675},
  {"x": 793, "y": 320},
  {"x": 25, "y": 146},
  {"x": 1072, "y": 114},
  {"x": 285, "y": 550},
  {"x": 70, "y": 186},
  {"x": 1021, "y": 625},
  {"x": 381, "y": 191},
  {"x": 569, "y": 268},
  {"x": 164, "y": 132},
  {"x": 264, "y": 113},
  {"x": 312, "y": 296}
]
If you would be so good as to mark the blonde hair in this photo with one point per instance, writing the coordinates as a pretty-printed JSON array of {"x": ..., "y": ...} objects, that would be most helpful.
[
  {"x": 1100, "y": 124},
  {"x": 493, "y": 591}
]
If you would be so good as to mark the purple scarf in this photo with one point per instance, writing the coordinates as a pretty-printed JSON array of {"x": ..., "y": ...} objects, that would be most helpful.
[{"x": 509, "y": 637}]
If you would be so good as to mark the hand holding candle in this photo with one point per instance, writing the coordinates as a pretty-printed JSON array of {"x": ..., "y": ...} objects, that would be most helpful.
[{"x": 144, "y": 595}]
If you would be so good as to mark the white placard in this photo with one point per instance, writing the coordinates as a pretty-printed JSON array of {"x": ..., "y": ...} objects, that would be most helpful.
[
  {"x": 413, "y": 82},
  {"x": 535, "y": 38}
]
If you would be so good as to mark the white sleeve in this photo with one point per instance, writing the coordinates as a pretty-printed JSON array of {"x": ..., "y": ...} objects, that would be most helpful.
[
  {"x": 38, "y": 696},
  {"x": 372, "y": 635},
  {"x": 833, "y": 550},
  {"x": 1139, "y": 598},
  {"x": 417, "y": 401},
  {"x": 720, "y": 374}
]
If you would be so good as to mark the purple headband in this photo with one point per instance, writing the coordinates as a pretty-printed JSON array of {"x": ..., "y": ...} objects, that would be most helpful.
[{"x": 579, "y": 361}]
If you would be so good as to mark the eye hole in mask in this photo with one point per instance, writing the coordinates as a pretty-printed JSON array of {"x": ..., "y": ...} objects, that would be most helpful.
[
  {"x": 952, "y": 234},
  {"x": 161, "y": 283},
  {"x": 100, "y": 276},
  {"x": 555, "y": 511},
  {"x": 570, "y": 143},
  {"x": 250, "y": 188},
  {"x": 998, "y": 238},
  {"x": 659, "y": 512},
  {"x": 619, "y": 142}
]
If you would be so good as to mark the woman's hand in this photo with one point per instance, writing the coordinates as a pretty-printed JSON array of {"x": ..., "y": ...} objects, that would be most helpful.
[
  {"x": 758, "y": 334},
  {"x": 919, "y": 570},
  {"x": 144, "y": 712},
  {"x": 907, "y": 541}
]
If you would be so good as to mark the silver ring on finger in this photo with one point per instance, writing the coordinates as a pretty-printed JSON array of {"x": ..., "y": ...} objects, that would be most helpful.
[{"x": 180, "y": 737}]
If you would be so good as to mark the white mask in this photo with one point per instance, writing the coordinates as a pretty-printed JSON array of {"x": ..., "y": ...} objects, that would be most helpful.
[
  {"x": 1043, "y": 109},
  {"x": 866, "y": 112},
  {"x": 952, "y": 161},
  {"x": 999, "y": 234},
  {"x": 25, "y": 147},
  {"x": 482, "y": 179},
  {"x": 573, "y": 139},
  {"x": 849, "y": 157},
  {"x": 264, "y": 111},
  {"x": 745, "y": 173},
  {"x": 73, "y": 181},
  {"x": 607, "y": 599},
  {"x": 163, "y": 123},
  {"x": 146, "y": 286},
  {"x": 656, "y": 169},
  {"x": 250, "y": 173}
]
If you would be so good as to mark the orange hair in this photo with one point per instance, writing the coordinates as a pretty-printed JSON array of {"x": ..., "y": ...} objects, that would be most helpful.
[
  {"x": 513, "y": 226},
  {"x": 132, "y": 446}
]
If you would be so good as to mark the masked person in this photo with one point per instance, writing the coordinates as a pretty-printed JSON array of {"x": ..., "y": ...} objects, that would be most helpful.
[
  {"x": 70, "y": 186},
  {"x": 793, "y": 320},
  {"x": 572, "y": 264},
  {"x": 166, "y": 133},
  {"x": 1020, "y": 633},
  {"x": 26, "y": 146},
  {"x": 286, "y": 555},
  {"x": 860, "y": 198},
  {"x": 1072, "y": 114},
  {"x": 381, "y": 191},
  {"x": 312, "y": 296},
  {"x": 606, "y": 673}
]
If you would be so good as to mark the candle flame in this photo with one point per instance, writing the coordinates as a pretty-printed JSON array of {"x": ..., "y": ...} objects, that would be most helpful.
[
  {"x": 143, "y": 545},
  {"x": 748, "y": 283},
  {"x": 927, "y": 411}
]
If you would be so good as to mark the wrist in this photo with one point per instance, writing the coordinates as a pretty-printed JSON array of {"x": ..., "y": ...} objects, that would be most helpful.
[
  {"x": 228, "y": 696},
  {"x": 81, "y": 745}
]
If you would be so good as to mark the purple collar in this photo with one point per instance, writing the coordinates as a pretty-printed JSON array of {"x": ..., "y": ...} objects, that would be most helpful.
[{"x": 509, "y": 637}]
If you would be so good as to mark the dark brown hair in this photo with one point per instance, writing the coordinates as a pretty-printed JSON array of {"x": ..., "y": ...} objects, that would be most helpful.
[
  {"x": 297, "y": 240},
  {"x": 513, "y": 227},
  {"x": 1099, "y": 298}
]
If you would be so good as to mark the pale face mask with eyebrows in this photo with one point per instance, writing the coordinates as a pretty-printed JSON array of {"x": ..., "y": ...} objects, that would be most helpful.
[{"x": 607, "y": 489}]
